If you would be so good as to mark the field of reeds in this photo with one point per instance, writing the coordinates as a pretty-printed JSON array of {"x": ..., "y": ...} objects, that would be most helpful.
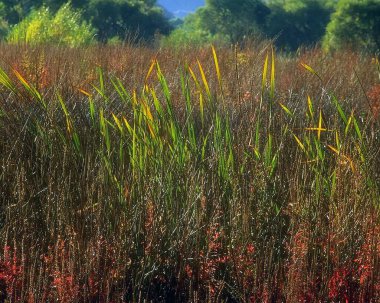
[{"x": 130, "y": 174}]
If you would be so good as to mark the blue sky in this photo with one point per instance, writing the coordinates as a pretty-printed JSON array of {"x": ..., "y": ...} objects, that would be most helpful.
[{"x": 181, "y": 7}]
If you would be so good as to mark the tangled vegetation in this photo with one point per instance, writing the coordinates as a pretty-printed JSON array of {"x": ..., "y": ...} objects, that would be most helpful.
[{"x": 227, "y": 175}]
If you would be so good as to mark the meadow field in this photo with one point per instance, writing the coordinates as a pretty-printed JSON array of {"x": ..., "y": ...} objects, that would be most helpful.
[{"x": 131, "y": 174}]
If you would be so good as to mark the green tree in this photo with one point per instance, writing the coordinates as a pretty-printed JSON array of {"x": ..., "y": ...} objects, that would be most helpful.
[
  {"x": 41, "y": 26},
  {"x": 120, "y": 17},
  {"x": 55, "y": 5},
  {"x": 14, "y": 11},
  {"x": 190, "y": 33},
  {"x": 294, "y": 23},
  {"x": 355, "y": 24},
  {"x": 109, "y": 17},
  {"x": 234, "y": 19},
  {"x": 4, "y": 26}
]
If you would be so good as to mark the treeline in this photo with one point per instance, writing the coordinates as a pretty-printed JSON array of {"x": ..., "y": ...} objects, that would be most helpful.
[
  {"x": 291, "y": 23},
  {"x": 80, "y": 21}
]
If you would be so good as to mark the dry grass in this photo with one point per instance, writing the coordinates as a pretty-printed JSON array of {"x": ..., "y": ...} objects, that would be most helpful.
[{"x": 117, "y": 184}]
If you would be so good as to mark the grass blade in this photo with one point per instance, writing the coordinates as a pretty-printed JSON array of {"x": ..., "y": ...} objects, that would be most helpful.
[
  {"x": 311, "y": 70},
  {"x": 216, "y": 63},
  {"x": 272, "y": 77},
  {"x": 264, "y": 77},
  {"x": 204, "y": 79}
]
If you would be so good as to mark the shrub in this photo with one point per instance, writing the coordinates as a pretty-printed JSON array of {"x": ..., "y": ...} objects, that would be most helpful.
[
  {"x": 40, "y": 26},
  {"x": 355, "y": 23}
]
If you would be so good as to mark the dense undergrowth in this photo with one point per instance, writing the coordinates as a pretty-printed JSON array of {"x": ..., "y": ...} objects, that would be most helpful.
[{"x": 196, "y": 175}]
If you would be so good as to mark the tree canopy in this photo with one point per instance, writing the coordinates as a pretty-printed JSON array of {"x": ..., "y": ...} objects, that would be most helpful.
[
  {"x": 42, "y": 26},
  {"x": 297, "y": 23},
  {"x": 356, "y": 24},
  {"x": 234, "y": 19},
  {"x": 109, "y": 17},
  {"x": 117, "y": 18},
  {"x": 292, "y": 23}
]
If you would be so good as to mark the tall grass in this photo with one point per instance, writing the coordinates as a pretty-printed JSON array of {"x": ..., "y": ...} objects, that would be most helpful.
[{"x": 218, "y": 175}]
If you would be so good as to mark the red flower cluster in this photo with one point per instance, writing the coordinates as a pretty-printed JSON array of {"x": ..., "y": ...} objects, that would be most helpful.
[
  {"x": 10, "y": 275},
  {"x": 339, "y": 284},
  {"x": 218, "y": 262}
]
